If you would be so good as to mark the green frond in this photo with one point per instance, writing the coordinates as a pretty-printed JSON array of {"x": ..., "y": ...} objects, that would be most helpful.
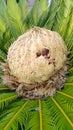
[
  {"x": 15, "y": 112},
  {"x": 40, "y": 115},
  {"x": 2, "y": 55},
  {"x": 69, "y": 30},
  {"x": 23, "y": 4},
  {"x": 3, "y": 88},
  {"x": 14, "y": 15},
  {"x": 6, "y": 37},
  {"x": 37, "y": 10},
  {"x": 71, "y": 71},
  {"x": 40, "y": 118},
  {"x": 68, "y": 88},
  {"x": 63, "y": 109},
  {"x": 63, "y": 17},
  {"x": 58, "y": 115},
  {"x": 65, "y": 94},
  {"x": 35, "y": 15},
  {"x": 45, "y": 116},
  {"x": 65, "y": 102},
  {"x": 12, "y": 114},
  {"x": 2, "y": 26},
  {"x": 70, "y": 45},
  {"x": 3, "y": 11},
  {"x": 54, "y": 7},
  {"x": 6, "y": 98},
  {"x": 70, "y": 79},
  {"x": 1, "y": 73}
]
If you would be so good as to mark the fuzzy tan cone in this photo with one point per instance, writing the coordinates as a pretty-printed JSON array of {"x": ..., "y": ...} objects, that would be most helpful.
[{"x": 36, "y": 64}]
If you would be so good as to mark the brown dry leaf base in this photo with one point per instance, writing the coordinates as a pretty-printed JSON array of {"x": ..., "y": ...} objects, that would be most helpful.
[{"x": 47, "y": 88}]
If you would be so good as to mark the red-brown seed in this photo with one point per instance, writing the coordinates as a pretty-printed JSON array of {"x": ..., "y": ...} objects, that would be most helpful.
[
  {"x": 38, "y": 54},
  {"x": 45, "y": 52},
  {"x": 49, "y": 63}
]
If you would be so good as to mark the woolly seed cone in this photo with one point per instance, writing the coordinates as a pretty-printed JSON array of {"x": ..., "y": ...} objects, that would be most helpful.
[{"x": 38, "y": 61}]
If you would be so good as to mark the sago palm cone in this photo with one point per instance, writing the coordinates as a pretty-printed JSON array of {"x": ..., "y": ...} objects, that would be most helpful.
[{"x": 36, "y": 64}]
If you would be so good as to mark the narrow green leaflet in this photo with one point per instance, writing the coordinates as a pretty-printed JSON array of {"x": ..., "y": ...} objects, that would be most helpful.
[
  {"x": 59, "y": 115},
  {"x": 3, "y": 11},
  {"x": 71, "y": 71},
  {"x": 54, "y": 7},
  {"x": 14, "y": 14},
  {"x": 69, "y": 31},
  {"x": 14, "y": 114},
  {"x": 36, "y": 12},
  {"x": 65, "y": 105},
  {"x": 23, "y": 4},
  {"x": 46, "y": 121},
  {"x": 24, "y": 8},
  {"x": 5, "y": 40},
  {"x": 2, "y": 55},
  {"x": 2, "y": 26},
  {"x": 6, "y": 98},
  {"x": 70, "y": 79},
  {"x": 62, "y": 18}
]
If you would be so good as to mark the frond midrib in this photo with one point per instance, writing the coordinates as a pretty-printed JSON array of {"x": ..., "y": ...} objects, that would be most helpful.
[
  {"x": 15, "y": 115},
  {"x": 40, "y": 115},
  {"x": 62, "y": 111}
]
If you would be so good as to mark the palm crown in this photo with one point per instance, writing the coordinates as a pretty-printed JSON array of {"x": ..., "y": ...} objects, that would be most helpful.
[{"x": 52, "y": 113}]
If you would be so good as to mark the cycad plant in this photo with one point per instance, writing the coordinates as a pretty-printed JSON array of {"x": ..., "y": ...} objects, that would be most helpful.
[{"x": 51, "y": 113}]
